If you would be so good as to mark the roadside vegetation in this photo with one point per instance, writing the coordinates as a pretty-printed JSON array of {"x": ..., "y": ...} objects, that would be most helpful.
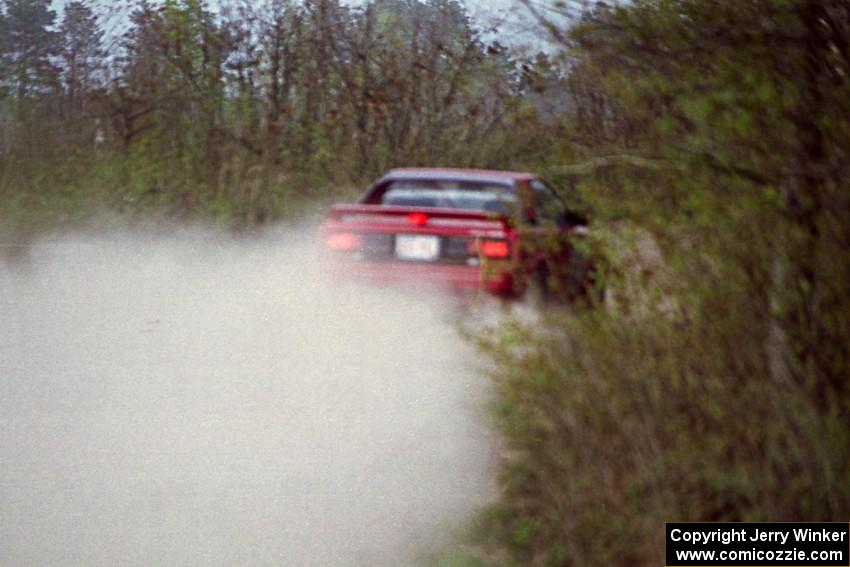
[
  {"x": 250, "y": 113},
  {"x": 713, "y": 138},
  {"x": 710, "y": 140}
]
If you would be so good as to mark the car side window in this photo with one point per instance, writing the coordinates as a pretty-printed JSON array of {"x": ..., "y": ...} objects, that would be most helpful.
[{"x": 548, "y": 206}]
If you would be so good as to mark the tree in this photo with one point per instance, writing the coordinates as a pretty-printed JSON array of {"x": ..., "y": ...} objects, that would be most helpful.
[
  {"x": 30, "y": 45},
  {"x": 169, "y": 84},
  {"x": 82, "y": 54},
  {"x": 5, "y": 47},
  {"x": 751, "y": 97}
]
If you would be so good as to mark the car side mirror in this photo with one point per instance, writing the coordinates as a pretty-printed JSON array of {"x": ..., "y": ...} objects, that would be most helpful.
[{"x": 568, "y": 219}]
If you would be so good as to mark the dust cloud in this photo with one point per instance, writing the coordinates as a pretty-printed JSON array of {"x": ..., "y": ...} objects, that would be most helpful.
[{"x": 194, "y": 398}]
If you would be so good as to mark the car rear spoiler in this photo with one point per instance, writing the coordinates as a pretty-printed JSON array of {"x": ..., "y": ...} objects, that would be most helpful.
[{"x": 366, "y": 213}]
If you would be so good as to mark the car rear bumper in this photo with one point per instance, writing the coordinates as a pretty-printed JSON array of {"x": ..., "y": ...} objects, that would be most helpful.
[{"x": 453, "y": 277}]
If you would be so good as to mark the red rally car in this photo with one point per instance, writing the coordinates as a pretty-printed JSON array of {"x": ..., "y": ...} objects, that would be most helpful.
[{"x": 500, "y": 231}]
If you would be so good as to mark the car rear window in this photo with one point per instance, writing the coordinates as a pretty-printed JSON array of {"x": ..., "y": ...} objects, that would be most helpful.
[{"x": 470, "y": 195}]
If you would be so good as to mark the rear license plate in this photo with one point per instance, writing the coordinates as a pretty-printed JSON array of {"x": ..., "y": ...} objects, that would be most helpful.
[{"x": 417, "y": 247}]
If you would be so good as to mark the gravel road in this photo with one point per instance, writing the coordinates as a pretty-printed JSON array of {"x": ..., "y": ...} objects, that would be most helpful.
[{"x": 196, "y": 399}]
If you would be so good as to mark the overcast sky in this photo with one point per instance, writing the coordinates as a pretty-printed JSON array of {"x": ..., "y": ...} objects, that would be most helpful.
[{"x": 514, "y": 23}]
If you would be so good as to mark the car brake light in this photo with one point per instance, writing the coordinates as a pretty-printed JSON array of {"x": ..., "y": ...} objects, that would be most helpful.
[
  {"x": 417, "y": 219},
  {"x": 494, "y": 248},
  {"x": 343, "y": 241}
]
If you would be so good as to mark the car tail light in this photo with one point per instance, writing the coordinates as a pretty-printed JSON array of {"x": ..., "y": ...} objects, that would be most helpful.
[
  {"x": 417, "y": 219},
  {"x": 343, "y": 241},
  {"x": 495, "y": 248}
]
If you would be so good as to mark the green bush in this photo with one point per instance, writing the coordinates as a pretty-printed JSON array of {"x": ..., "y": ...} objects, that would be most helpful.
[{"x": 614, "y": 423}]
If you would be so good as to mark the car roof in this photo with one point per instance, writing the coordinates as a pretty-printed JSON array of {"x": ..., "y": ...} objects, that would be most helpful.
[{"x": 457, "y": 174}]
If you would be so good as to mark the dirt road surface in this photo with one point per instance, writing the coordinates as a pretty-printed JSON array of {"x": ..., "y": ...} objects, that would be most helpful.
[{"x": 195, "y": 399}]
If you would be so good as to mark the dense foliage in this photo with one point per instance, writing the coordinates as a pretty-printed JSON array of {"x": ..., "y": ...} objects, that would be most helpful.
[
  {"x": 250, "y": 110},
  {"x": 713, "y": 137}
]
